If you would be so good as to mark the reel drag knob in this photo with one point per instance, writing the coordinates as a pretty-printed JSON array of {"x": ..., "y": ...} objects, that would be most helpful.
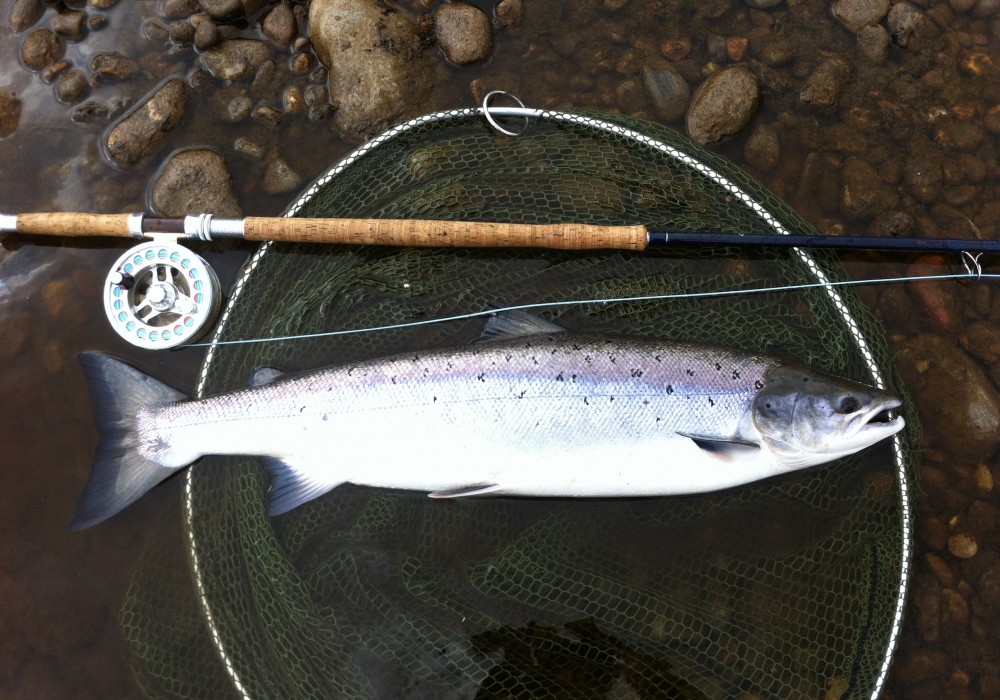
[{"x": 161, "y": 295}]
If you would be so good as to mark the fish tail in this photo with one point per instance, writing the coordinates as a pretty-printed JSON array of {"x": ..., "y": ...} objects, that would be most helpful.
[{"x": 120, "y": 474}]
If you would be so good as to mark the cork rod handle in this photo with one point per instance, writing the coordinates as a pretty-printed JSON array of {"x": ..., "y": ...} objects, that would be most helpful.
[
  {"x": 428, "y": 233},
  {"x": 74, "y": 224}
]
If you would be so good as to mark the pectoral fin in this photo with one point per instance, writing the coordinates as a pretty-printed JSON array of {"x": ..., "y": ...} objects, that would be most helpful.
[
  {"x": 724, "y": 450},
  {"x": 463, "y": 491}
]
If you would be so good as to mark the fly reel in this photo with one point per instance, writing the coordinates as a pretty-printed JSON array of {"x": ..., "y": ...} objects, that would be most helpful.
[{"x": 160, "y": 295}]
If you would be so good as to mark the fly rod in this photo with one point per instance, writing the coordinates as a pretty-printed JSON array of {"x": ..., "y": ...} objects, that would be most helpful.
[
  {"x": 462, "y": 234},
  {"x": 160, "y": 294}
]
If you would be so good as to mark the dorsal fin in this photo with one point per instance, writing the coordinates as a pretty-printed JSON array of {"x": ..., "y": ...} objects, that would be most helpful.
[{"x": 504, "y": 325}]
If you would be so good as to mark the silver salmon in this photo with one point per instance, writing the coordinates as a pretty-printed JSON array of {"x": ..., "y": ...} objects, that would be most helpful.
[{"x": 535, "y": 410}]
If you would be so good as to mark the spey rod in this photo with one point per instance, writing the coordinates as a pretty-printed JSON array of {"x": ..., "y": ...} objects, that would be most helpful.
[{"x": 442, "y": 233}]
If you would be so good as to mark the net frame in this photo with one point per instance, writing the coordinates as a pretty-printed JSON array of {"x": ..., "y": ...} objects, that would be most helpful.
[{"x": 746, "y": 197}]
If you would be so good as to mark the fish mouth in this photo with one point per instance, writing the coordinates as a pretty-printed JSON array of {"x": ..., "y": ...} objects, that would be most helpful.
[{"x": 876, "y": 423}]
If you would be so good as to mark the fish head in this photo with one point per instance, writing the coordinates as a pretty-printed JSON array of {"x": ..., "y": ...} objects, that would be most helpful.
[{"x": 806, "y": 418}]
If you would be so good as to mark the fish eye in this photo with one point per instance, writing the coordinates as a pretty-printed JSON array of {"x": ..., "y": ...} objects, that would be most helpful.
[{"x": 848, "y": 404}]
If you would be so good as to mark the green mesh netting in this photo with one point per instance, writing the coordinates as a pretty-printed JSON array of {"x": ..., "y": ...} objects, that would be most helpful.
[{"x": 785, "y": 588}]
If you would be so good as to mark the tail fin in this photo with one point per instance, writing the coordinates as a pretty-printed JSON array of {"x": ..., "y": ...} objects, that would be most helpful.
[{"x": 120, "y": 475}]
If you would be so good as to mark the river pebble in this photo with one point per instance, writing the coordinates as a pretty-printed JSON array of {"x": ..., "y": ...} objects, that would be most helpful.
[
  {"x": 143, "y": 131},
  {"x": 873, "y": 43},
  {"x": 206, "y": 35},
  {"x": 371, "y": 86},
  {"x": 72, "y": 86},
  {"x": 279, "y": 177},
  {"x": 763, "y": 148},
  {"x": 826, "y": 84},
  {"x": 10, "y": 113},
  {"x": 279, "y": 25},
  {"x": 464, "y": 32},
  {"x": 40, "y": 48},
  {"x": 236, "y": 58},
  {"x": 665, "y": 89},
  {"x": 723, "y": 105},
  {"x": 231, "y": 9},
  {"x": 24, "y": 14},
  {"x": 967, "y": 425},
  {"x": 904, "y": 22},
  {"x": 509, "y": 13},
  {"x": 70, "y": 24},
  {"x": 175, "y": 9},
  {"x": 858, "y": 14},
  {"x": 112, "y": 65},
  {"x": 195, "y": 181}
]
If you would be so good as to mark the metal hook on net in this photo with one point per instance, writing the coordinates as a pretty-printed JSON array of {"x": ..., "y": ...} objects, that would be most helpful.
[
  {"x": 972, "y": 265},
  {"x": 491, "y": 113}
]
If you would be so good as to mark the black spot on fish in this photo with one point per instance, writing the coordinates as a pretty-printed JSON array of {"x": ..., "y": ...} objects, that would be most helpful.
[
  {"x": 612, "y": 358},
  {"x": 658, "y": 419},
  {"x": 577, "y": 347},
  {"x": 508, "y": 356},
  {"x": 393, "y": 379},
  {"x": 670, "y": 389},
  {"x": 690, "y": 372},
  {"x": 658, "y": 358},
  {"x": 611, "y": 399},
  {"x": 645, "y": 402},
  {"x": 523, "y": 392},
  {"x": 302, "y": 409},
  {"x": 534, "y": 360},
  {"x": 636, "y": 373},
  {"x": 711, "y": 401},
  {"x": 482, "y": 376},
  {"x": 559, "y": 377},
  {"x": 585, "y": 402},
  {"x": 572, "y": 378},
  {"x": 325, "y": 417},
  {"x": 718, "y": 367},
  {"x": 736, "y": 374},
  {"x": 758, "y": 384},
  {"x": 587, "y": 359},
  {"x": 416, "y": 358}
]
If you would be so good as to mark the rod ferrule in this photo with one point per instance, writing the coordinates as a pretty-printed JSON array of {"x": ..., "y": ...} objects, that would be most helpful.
[
  {"x": 135, "y": 225},
  {"x": 199, "y": 227},
  {"x": 8, "y": 222},
  {"x": 227, "y": 228}
]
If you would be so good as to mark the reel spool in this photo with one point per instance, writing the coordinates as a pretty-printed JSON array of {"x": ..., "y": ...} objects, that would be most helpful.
[{"x": 160, "y": 295}]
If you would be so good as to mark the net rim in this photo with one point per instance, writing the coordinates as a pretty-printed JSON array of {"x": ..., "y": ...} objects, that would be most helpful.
[{"x": 489, "y": 113}]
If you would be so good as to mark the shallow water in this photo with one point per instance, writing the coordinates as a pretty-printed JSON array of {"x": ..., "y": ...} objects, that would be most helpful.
[{"x": 64, "y": 591}]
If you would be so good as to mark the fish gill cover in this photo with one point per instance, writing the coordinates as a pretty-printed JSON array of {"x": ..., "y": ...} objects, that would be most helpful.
[{"x": 786, "y": 588}]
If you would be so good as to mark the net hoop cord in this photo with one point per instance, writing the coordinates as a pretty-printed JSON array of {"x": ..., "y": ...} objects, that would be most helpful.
[{"x": 532, "y": 115}]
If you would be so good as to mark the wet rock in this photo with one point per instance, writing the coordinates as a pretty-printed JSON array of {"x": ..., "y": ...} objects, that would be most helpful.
[
  {"x": 206, "y": 35},
  {"x": 279, "y": 25},
  {"x": 827, "y": 83},
  {"x": 892, "y": 223},
  {"x": 40, "y": 48},
  {"x": 675, "y": 49},
  {"x": 463, "y": 32},
  {"x": 858, "y": 14},
  {"x": 301, "y": 63},
  {"x": 91, "y": 111},
  {"x": 10, "y": 113},
  {"x": 145, "y": 128},
  {"x": 279, "y": 177},
  {"x": 763, "y": 149},
  {"x": 629, "y": 96},
  {"x": 723, "y": 105},
  {"x": 955, "y": 400},
  {"x": 175, "y": 9},
  {"x": 24, "y": 14},
  {"x": 763, "y": 4},
  {"x": 922, "y": 665},
  {"x": 381, "y": 75},
  {"x": 982, "y": 340},
  {"x": 862, "y": 192},
  {"x": 873, "y": 43},
  {"x": 69, "y": 24},
  {"x": 292, "y": 99},
  {"x": 666, "y": 90},
  {"x": 237, "y": 108},
  {"x": 182, "y": 32},
  {"x": 923, "y": 173},
  {"x": 904, "y": 22},
  {"x": 963, "y": 545},
  {"x": 103, "y": 4},
  {"x": 231, "y": 9},
  {"x": 195, "y": 181},
  {"x": 236, "y": 58},
  {"x": 509, "y": 13},
  {"x": 112, "y": 66},
  {"x": 250, "y": 149},
  {"x": 266, "y": 114},
  {"x": 72, "y": 86}
]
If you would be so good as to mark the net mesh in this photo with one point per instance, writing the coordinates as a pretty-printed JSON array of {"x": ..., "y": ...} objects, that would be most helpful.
[{"x": 784, "y": 588}]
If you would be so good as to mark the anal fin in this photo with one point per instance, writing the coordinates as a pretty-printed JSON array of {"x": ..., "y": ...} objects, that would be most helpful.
[{"x": 293, "y": 483}]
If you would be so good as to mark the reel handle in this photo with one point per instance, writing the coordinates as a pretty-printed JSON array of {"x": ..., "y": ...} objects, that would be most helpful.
[{"x": 448, "y": 234}]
